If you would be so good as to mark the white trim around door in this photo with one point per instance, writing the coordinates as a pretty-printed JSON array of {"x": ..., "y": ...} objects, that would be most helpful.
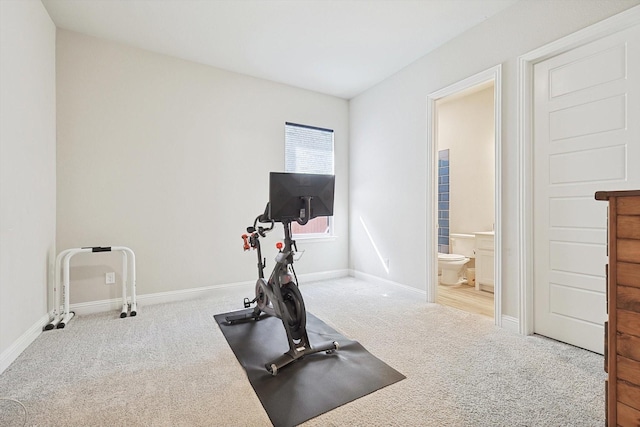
[
  {"x": 526, "y": 63},
  {"x": 492, "y": 74}
]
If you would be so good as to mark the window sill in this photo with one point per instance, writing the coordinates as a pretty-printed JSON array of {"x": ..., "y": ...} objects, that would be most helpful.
[{"x": 313, "y": 238}]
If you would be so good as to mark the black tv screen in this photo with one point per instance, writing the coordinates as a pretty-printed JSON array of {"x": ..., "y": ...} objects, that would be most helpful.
[{"x": 288, "y": 190}]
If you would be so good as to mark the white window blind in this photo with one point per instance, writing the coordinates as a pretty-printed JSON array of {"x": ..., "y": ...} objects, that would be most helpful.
[{"x": 308, "y": 149}]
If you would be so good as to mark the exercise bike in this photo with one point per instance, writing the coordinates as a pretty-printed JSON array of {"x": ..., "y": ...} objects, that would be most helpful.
[{"x": 279, "y": 296}]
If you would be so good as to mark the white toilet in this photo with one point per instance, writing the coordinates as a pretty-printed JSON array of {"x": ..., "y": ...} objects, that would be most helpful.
[{"x": 452, "y": 265}]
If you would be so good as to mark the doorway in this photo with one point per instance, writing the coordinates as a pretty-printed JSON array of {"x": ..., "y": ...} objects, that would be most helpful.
[
  {"x": 462, "y": 295},
  {"x": 562, "y": 255}
]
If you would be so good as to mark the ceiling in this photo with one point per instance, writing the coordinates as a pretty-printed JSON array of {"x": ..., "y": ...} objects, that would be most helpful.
[{"x": 337, "y": 47}]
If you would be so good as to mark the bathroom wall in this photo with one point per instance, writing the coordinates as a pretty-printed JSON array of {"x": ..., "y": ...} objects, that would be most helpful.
[
  {"x": 466, "y": 129},
  {"x": 443, "y": 201}
]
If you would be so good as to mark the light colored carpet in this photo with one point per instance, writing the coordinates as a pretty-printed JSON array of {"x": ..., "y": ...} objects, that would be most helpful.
[{"x": 171, "y": 366}]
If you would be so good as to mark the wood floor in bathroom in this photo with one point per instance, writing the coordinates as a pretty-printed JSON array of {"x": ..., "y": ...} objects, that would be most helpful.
[{"x": 465, "y": 297}]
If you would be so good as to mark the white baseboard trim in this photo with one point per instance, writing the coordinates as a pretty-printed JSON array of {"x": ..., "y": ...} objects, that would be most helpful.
[
  {"x": 91, "y": 307},
  {"x": 375, "y": 279},
  {"x": 510, "y": 323},
  {"x": 97, "y": 306},
  {"x": 323, "y": 275},
  {"x": 185, "y": 294},
  {"x": 10, "y": 354}
]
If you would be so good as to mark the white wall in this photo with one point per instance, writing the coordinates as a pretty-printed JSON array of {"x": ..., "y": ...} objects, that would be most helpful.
[
  {"x": 171, "y": 158},
  {"x": 465, "y": 127},
  {"x": 27, "y": 171},
  {"x": 388, "y": 137}
]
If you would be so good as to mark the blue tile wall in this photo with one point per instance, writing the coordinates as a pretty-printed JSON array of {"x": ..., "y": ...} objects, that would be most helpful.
[{"x": 443, "y": 201}]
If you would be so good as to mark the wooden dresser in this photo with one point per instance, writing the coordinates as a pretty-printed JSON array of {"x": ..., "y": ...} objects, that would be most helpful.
[{"x": 622, "y": 331}]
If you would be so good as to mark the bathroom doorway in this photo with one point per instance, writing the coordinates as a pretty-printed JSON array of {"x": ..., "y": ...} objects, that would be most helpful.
[{"x": 464, "y": 124}]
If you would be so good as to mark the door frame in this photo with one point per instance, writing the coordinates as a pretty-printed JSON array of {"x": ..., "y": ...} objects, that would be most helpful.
[
  {"x": 492, "y": 74},
  {"x": 525, "y": 100}
]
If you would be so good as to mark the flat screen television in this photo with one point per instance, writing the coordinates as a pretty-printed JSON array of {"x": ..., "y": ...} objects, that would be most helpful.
[{"x": 291, "y": 195}]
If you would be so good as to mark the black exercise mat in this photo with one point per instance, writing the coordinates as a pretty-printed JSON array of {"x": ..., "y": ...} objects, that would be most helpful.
[{"x": 313, "y": 385}]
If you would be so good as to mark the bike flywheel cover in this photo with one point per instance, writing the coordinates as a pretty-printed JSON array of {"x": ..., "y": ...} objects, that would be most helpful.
[
  {"x": 296, "y": 313},
  {"x": 261, "y": 294}
]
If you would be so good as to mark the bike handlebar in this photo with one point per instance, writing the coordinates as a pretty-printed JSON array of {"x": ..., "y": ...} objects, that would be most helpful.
[
  {"x": 263, "y": 219},
  {"x": 256, "y": 231},
  {"x": 261, "y": 230}
]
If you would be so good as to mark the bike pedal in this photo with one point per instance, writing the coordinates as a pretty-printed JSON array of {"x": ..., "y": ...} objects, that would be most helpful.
[{"x": 247, "y": 303}]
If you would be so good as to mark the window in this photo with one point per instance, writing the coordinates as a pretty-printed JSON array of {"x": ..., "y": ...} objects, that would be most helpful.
[{"x": 309, "y": 149}]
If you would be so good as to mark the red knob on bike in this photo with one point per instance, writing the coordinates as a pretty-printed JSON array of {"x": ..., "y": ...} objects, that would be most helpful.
[
  {"x": 279, "y": 246},
  {"x": 246, "y": 242}
]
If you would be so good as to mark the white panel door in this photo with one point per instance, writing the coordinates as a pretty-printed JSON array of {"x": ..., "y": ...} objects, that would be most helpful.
[{"x": 586, "y": 139}]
